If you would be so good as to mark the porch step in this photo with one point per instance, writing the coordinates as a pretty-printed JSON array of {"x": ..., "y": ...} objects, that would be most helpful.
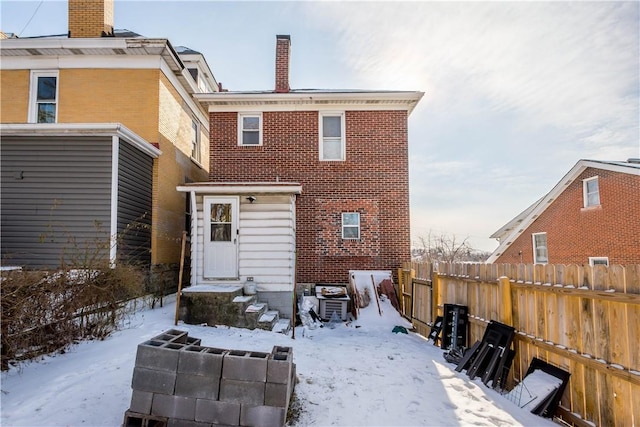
[
  {"x": 253, "y": 313},
  {"x": 268, "y": 320},
  {"x": 282, "y": 326},
  {"x": 242, "y": 302}
]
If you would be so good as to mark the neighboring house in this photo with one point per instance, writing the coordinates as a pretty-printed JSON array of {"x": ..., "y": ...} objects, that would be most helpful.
[
  {"x": 98, "y": 128},
  {"x": 592, "y": 216},
  {"x": 304, "y": 186}
]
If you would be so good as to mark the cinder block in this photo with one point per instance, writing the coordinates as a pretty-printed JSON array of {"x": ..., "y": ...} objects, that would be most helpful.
[
  {"x": 200, "y": 386},
  {"x": 174, "y": 422},
  {"x": 201, "y": 361},
  {"x": 245, "y": 366},
  {"x": 277, "y": 394},
  {"x": 183, "y": 408},
  {"x": 141, "y": 402},
  {"x": 244, "y": 392},
  {"x": 133, "y": 419},
  {"x": 172, "y": 335},
  {"x": 262, "y": 416},
  {"x": 193, "y": 341},
  {"x": 158, "y": 355},
  {"x": 217, "y": 412},
  {"x": 153, "y": 381},
  {"x": 279, "y": 366}
]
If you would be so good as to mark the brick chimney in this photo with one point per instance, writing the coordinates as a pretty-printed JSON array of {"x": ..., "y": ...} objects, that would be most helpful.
[
  {"x": 283, "y": 47},
  {"x": 90, "y": 18}
]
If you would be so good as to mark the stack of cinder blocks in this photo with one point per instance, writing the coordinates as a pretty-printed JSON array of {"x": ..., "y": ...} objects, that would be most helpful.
[{"x": 179, "y": 383}]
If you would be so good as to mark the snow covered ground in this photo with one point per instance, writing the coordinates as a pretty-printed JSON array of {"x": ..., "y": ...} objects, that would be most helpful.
[{"x": 357, "y": 374}]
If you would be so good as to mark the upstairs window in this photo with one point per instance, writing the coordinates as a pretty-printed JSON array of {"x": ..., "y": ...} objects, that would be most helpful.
[
  {"x": 250, "y": 129},
  {"x": 332, "y": 137},
  {"x": 591, "y": 192},
  {"x": 44, "y": 97},
  {"x": 540, "y": 253},
  {"x": 351, "y": 225},
  {"x": 195, "y": 141}
]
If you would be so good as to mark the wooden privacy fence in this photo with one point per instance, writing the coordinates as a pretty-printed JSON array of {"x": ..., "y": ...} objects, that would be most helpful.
[{"x": 583, "y": 319}]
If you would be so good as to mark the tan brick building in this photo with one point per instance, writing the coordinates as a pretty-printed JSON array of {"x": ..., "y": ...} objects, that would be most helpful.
[
  {"x": 592, "y": 216},
  {"x": 92, "y": 84}
]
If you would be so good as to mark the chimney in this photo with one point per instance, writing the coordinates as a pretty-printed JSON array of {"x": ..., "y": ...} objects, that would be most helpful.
[
  {"x": 283, "y": 46},
  {"x": 90, "y": 18}
]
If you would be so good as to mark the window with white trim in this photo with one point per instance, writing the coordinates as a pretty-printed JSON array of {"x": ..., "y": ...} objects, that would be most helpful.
[
  {"x": 540, "y": 253},
  {"x": 591, "y": 192},
  {"x": 249, "y": 129},
  {"x": 351, "y": 225},
  {"x": 43, "y": 106},
  {"x": 598, "y": 260},
  {"x": 195, "y": 140},
  {"x": 332, "y": 136}
]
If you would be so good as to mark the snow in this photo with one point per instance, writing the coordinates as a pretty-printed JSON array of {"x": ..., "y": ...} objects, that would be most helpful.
[{"x": 357, "y": 374}]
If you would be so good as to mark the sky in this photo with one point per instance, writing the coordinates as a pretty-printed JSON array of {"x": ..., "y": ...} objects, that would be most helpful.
[
  {"x": 354, "y": 374},
  {"x": 515, "y": 92}
]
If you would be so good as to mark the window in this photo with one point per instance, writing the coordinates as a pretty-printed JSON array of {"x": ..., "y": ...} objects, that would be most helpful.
[
  {"x": 591, "y": 192},
  {"x": 351, "y": 225},
  {"x": 332, "y": 140},
  {"x": 44, "y": 97},
  {"x": 195, "y": 140},
  {"x": 540, "y": 253},
  {"x": 250, "y": 129},
  {"x": 598, "y": 260}
]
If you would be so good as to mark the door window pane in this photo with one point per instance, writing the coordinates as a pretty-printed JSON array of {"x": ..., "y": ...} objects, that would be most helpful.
[{"x": 220, "y": 222}]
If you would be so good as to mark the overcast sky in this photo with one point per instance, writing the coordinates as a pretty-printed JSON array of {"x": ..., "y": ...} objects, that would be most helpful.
[{"x": 515, "y": 92}]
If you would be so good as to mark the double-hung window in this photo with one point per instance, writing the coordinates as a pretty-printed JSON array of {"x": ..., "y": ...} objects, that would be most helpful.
[
  {"x": 351, "y": 225},
  {"x": 44, "y": 97},
  {"x": 249, "y": 129},
  {"x": 332, "y": 136},
  {"x": 591, "y": 192},
  {"x": 195, "y": 140},
  {"x": 540, "y": 253}
]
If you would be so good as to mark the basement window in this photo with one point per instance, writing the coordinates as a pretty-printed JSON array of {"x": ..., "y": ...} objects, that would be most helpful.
[
  {"x": 598, "y": 260},
  {"x": 249, "y": 129},
  {"x": 591, "y": 192},
  {"x": 332, "y": 136},
  {"x": 43, "y": 97},
  {"x": 351, "y": 225},
  {"x": 540, "y": 253}
]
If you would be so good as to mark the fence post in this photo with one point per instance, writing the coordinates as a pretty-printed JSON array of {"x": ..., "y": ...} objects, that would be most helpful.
[
  {"x": 435, "y": 294},
  {"x": 506, "y": 305}
]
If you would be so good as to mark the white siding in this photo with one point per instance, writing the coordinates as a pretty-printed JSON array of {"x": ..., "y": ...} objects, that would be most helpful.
[{"x": 267, "y": 242}]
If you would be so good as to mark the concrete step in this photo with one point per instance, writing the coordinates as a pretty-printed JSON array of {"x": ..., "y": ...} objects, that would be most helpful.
[
  {"x": 268, "y": 320},
  {"x": 253, "y": 313},
  {"x": 282, "y": 326},
  {"x": 242, "y": 302}
]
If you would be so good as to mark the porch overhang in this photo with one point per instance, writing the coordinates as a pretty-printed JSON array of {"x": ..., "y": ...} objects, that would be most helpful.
[{"x": 241, "y": 188}]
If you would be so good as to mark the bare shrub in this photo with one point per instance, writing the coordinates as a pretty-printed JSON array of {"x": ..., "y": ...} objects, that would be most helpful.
[{"x": 45, "y": 311}]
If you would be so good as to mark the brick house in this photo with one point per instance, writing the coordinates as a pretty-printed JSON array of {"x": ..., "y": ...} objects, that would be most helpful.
[
  {"x": 99, "y": 126},
  {"x": 304, "y": 186},
  {"x": 591, "y": 216}
]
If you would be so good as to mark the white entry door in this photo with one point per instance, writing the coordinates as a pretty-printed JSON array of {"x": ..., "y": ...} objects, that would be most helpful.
[{"x": 221, "y": 237}]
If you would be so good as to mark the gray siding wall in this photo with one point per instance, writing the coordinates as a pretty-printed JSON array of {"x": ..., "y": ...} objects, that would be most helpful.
[
  {"x": 135, "y": 184},
  {"x": 55, "y": 195}
]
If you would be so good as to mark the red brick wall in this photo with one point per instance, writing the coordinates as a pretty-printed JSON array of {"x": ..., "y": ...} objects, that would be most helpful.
[
  {"x": 374, "y": 181},
  {"x": 575, "y": 233}
]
